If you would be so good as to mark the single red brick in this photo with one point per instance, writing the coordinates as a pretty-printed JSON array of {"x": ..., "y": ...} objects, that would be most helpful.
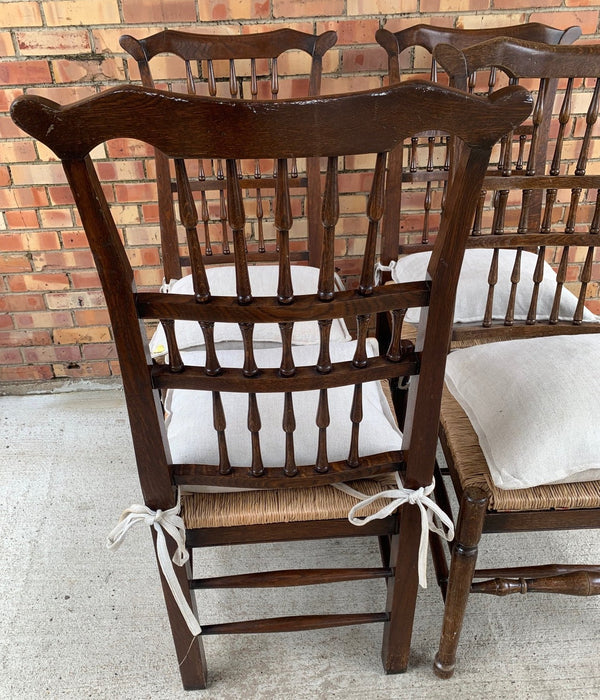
[
  {"x": 37, "y": 173},
  {"x": 24, "y": 338},
  {"x": 358, "y": 31},
  {"x": 85, "y": 280},
  {"x": 10, "y": 356},
  {"x": 44, "y": 42},
  {"x": 82, "y": 369},
  {"x": 99, "y": 351},
  {"x": 33, "y": 282},
  {"x": 17, "y": 151},
  {"x": 7, "y": 97},
  {"x": 62, "y": 260},
  {"x": 15, "y": 197},
  {"x": 91, "y": 317},
  {"x": 141, "y": 192},
  {"x": 44, "y": 319},
  {"x": 143, "y": 257},
  {"x": 14, "y": 263},
  {"x": 31, "y": 240},
  {"x": 22, "y": 14},
  {"x": 22, "y": 218},
  {"x": 75, "y": 239},
  {"x": 56, "y": 218},
  {"x": 22, "y": 302},
  {"x": 53, "y": 353},
  {"x": 6, "y": 322},
  {"x": 24, "y": 72},
  {"x": 121, "y": 170},
  {"x": 26, "y": 373},
  {"x": 75, "y": 300},
  {"x": 586, "y": 19},
  {"x": 90, "y": 334},
  {"x": 93, "y": 70},
  {"x": 136, "y": 11},
  {"x": 368, "y": 59},
  {"x": 307, "y": 8},
  {"x": 10, "y": 130},
  {"x": 61, "y": 195}
]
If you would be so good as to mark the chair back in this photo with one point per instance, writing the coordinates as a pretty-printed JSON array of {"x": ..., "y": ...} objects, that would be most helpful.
[
  {"x": 187, "y": 128},
  {"x": 421, "y": 167},
  {"x": 245, "y": 67},
  {"x": 552, "y": 163}
]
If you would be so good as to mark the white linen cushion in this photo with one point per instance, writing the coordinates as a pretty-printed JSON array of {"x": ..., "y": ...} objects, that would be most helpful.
[
  {"x": 192, "y": 438},
  {"x": 263, "y": 282},
  {"x": 472, "y": 290},
  {"x": 534, "y": 405}
]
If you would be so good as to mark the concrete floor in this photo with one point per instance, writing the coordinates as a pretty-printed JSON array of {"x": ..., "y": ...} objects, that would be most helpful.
[{"x": 79, "y": 621}]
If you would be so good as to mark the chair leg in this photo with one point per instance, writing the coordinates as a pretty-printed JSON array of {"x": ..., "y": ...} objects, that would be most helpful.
[
  {"x": 190, "y": 651},
  {"x": 464, "y": 557},
  {"x": 402, "y": 592}
]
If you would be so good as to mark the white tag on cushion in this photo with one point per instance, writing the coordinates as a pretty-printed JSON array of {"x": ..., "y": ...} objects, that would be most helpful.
[
  {"x": 472, "y": 290},
  {"x": 193, "y": 439},
  {"x": 534, "y": 405},
  {"x": 263, "y": 282}
]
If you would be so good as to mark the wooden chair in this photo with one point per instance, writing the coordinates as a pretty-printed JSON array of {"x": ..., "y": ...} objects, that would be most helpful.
[
  {"x": 548, "y": 369},
  {"x": 243, "y": 66},
  {"x": 296, "y": 427},
  {"x": 423, "y": 180}
]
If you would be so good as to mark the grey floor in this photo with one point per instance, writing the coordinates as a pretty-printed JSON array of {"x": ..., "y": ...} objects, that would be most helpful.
[{"x": 78, "y": 621}]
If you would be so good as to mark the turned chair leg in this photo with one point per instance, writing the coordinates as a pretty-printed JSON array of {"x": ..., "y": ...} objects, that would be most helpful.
[
  {"x": 190, "y": 651},
  {"x": 464, "y": 557}
]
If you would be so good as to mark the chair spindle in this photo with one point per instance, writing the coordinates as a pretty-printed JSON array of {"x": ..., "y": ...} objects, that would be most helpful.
[
  {"x": 356, "y": 416},
  {"x": 324, "y": 365},
  {"x": 212, "y": 367},
  {"x": 175, "y": 361},
  {"x": 189, "y": 218},
  {"x": 254, "y": 426},
  {"x": 323, "y": 420},
  {"x": 515, "y": 278},
  {"x": 250, "y": 369},
  {"x": 538, "y": 276},
  {"x": 591, "y": 118},
  {"x": 283, "y": 224},
  {"x": 289, "y": 426},
  {"x": 329, "y": 215},
  {"x": 563, "y": 119},
  {"x": 287, "y": 367},
  {"x": 362, "y": 328},
  {"x": 220, "y": 424},
  {"x": 375, "y": 206}
]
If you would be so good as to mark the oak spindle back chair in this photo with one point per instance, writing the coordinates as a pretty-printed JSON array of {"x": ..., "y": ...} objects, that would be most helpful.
[
  {"x": 413, "y": 209},
  {"x": 244, "y": 67},
  {"x": 293, "y": 424},
  {"x": 518, "y": 420}
]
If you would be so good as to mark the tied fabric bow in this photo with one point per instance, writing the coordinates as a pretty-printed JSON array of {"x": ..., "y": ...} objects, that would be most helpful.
[
  {"x": 162, "y": 521},
  {"x": 399, "y": 497}
]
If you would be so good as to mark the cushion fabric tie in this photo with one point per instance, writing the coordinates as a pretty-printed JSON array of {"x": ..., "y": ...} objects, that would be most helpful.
[
  {"x": 162, "y": 521},
  {"x": 399, "y": 497},
  {"x": 379, "y": 268}
]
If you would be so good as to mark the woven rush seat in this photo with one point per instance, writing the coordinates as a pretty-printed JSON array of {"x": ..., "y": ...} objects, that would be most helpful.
[
  {"x": 203, "y": 510},
  {"x": 471, "y": 468}
]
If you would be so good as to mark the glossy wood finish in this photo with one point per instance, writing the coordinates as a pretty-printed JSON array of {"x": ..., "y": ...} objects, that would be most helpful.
[
  {"x": 233, "y": 130},
  {"x": 565, "y": 230},
  {"x": 425, "y": 167},
  {"x": 208, "y": 54}
]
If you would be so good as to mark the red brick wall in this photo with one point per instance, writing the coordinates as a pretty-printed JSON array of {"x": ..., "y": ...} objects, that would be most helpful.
[{"x": 52, "y": 318}]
